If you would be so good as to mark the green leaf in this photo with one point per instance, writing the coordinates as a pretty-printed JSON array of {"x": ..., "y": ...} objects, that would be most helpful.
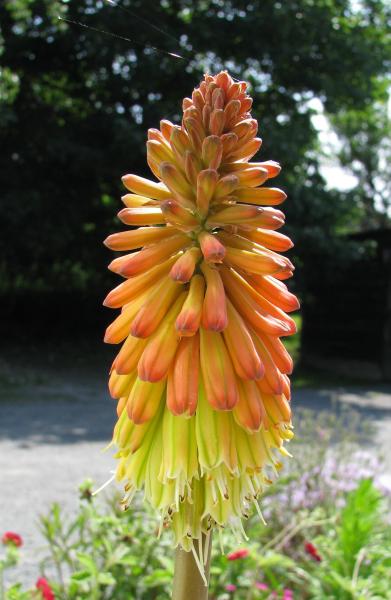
[
  {"x": 106, "y": 579},
  {"x": 81, "y": 575},
  {"x": 88, "y": 562},
  {"x": 344, "y": 583}
]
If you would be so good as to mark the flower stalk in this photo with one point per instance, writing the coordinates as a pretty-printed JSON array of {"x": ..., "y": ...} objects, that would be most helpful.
[{"x": 191, "y": 581}]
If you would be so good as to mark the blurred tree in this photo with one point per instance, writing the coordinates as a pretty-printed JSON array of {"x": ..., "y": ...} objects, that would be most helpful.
[
  {"x": 366, "y": 151},
  {"x": 75, "y": 105}
]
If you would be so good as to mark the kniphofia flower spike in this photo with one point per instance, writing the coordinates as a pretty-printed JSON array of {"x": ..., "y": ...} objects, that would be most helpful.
[{"x": 202, "y": 376}]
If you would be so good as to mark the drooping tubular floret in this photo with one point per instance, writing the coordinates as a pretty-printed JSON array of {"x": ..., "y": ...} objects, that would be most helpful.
[{"x": 202, "y": 376}]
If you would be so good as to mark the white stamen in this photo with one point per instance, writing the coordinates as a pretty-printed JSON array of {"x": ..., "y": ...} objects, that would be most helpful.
[
  {"x": 245, "y": 536},
  {"x": 199, "y": 566},
  {"x": 102, "y": 487},
  {"x": 108, "y": 446},
  {"x": 259, "y": 512}
]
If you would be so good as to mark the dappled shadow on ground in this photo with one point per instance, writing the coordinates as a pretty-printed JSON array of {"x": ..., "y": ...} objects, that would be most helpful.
[
  {"x": 77, "y": 408},
  {"x": 38, "y": 417},
  {"x": 56, "y": 392},
  {"x": 61, "y": 402}
]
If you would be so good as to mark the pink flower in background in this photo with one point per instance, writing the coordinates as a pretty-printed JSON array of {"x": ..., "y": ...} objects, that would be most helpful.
[
  {"x": 46, "y": 591},
  {"x": 261, "y": 586},
  {"x": 288, "y": 594},
  {"x": 10, "y": 537},
  {"x": 230, "y": 587},
  {"x": 312, "y": 551},
  {"x": 241, "y": 553}
]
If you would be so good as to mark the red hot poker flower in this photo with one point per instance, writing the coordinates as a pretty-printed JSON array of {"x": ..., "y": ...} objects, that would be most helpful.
[
  {"x": 10, "y": 537},
  {"x": 202, "y": 378}
]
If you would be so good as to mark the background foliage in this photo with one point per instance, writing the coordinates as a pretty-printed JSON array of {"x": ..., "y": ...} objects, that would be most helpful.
[{"x": 75, "y": 105}]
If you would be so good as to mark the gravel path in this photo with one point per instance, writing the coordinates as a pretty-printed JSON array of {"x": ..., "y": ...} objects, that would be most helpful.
[
  {"x": 52, "y": 435},
  {"x": 51, "y": 440}
]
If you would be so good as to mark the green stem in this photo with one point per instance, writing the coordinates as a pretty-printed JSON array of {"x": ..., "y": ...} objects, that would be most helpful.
[{"x": 188, "y": 583}]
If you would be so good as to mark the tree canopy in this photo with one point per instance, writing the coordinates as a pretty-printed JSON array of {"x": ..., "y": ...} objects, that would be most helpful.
[{"x": 75, "y": 105}]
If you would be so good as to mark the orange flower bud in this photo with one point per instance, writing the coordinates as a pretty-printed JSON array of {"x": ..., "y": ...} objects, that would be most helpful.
[
  {"x": 189, "y": 319},
  {"x": 217, "y": 371},
  {"x": 212, "y": 249},
  {"x": 131, "y": 288},
  {"x": 144, "y": 400},
  {"x": 136, "y": 201},
  {"x": 214, "y": 311},
  {"x": 259, "y": 196},
  {"x": 176, "y": 182},
  {"x": 178, "y": 216},
  {"x": 225, "y": 186},
  {"x": 129, "y": 240},
  {"x": 195, "y": 132},
  {"x": 145, "y": 187},
  {"x": 270, "y": 239},
  {"x": 260, "y": 262},
  {"x": 251, "y": 177},
  {"x": 120, "y": 385},
  {"x": 217, "y": 122},
  {"x": 155, "y": 308},
  {"x": 144, "y": 215},
  {"x": 249, "y": 411},
  {"x": 192, "y": 167},
  {"x": 276, "y": 292},
  {"x": 138, "y": 262},
  {"x": 212, "y": 151},
  {"x": 206, "y": 185},
  {"x": 234, "y": 214},
  {"x": 279, "y": 353},
  {"x": 129, "y": 355},
  {"x": 231, "y": 111},
  {"x": 160, "y": 349},
  {"x": 182, "y": 384},
  {"x": 229, "y": 141},
  {"x": 159, "y": 151},
  {"x": 245, "y": 151},
  {"x": 166, "y": 127},
  {"x": 272, "y": 374},
  {"x": 184, "y": 267},
  {"x": 120, "y": 328},
  {"x": 277, "y": 408},
  {"x": 179, "y": 142},
  {"x": 238, "y": 340}
]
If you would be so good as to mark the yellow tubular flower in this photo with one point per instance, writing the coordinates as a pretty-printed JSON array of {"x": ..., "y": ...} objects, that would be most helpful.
[{"x": 202, "y": 376}]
